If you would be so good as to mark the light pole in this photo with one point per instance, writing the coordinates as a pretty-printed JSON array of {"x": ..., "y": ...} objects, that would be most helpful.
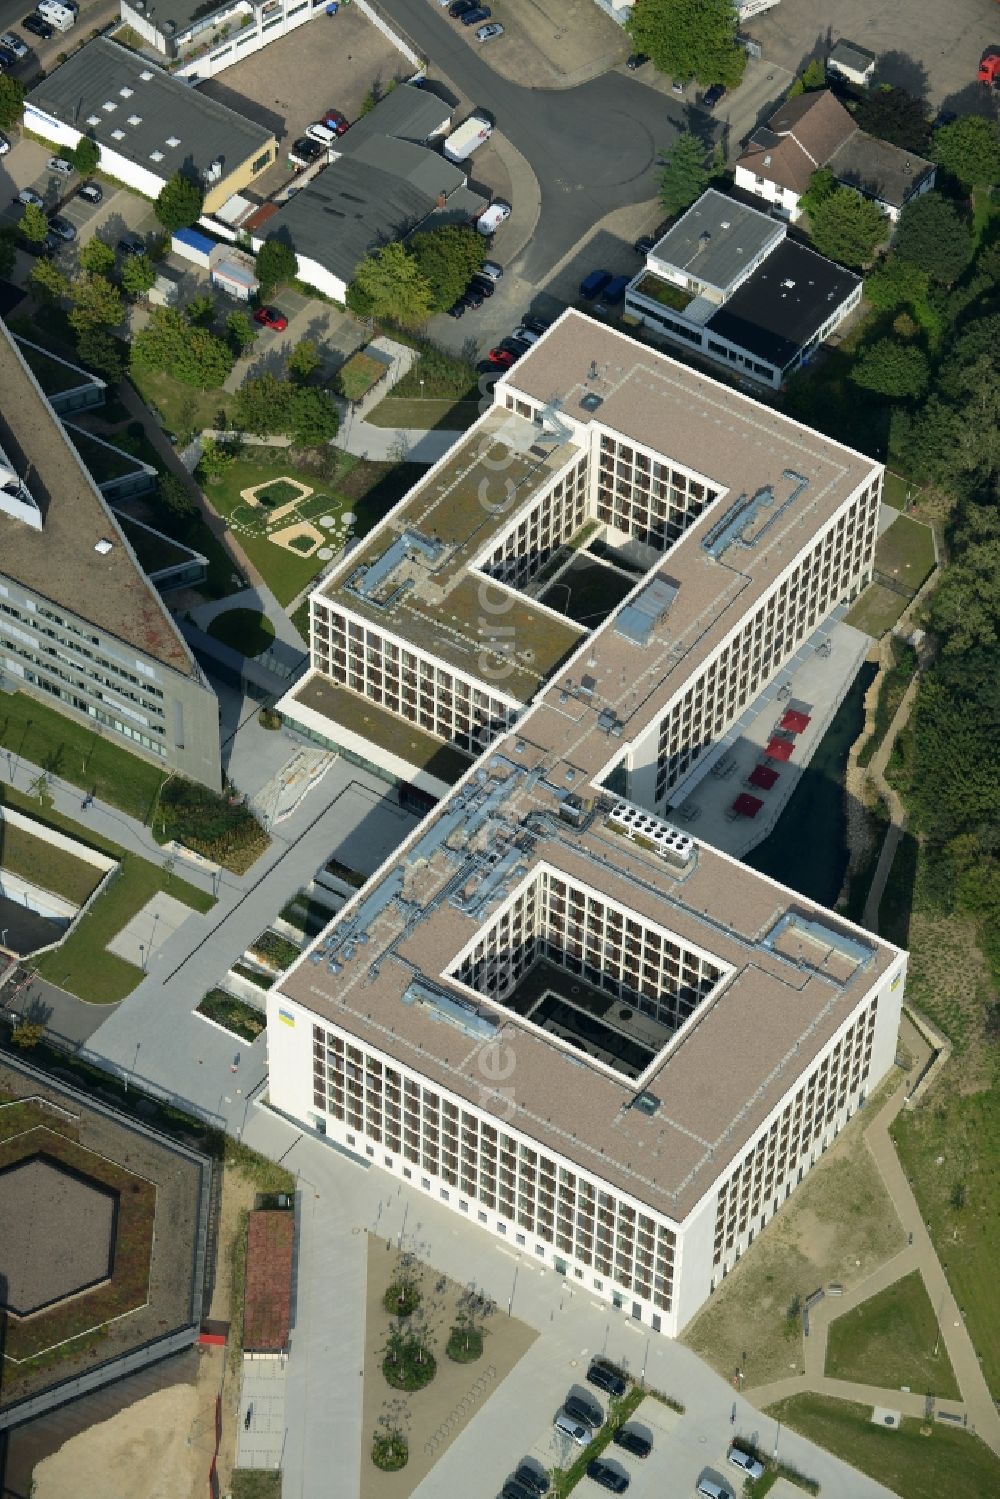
[
  {"x": 142, "y": 956},
  {"x": 777, "y": 1434}
]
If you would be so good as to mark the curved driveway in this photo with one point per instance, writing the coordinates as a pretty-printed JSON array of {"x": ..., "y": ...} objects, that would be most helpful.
[{"x": 592, "y": 148}]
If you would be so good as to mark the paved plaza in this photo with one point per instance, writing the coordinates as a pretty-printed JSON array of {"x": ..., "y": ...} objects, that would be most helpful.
[
  {"x": 142, "y": 938},
  {"x": 260, "y": 1425}
]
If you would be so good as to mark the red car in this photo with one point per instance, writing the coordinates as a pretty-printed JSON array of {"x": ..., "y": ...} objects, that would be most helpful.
[
  {"x": 336, "y": 121},
  {"x": 502, "y": 358},
  {"x": 270, "y": 317}
]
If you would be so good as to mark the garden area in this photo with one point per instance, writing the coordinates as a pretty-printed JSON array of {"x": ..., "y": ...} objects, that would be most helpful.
[
  {"x": 441, "y": 390},
  {"x": 220, "y": 828},
  {"x": 22, "y": 853},
  {"x": 893, "y": 1340},
  {"x": 274, "y": 951},
  {"x": 234, "y": 1015},
  {"x": 904, "y": 559}
]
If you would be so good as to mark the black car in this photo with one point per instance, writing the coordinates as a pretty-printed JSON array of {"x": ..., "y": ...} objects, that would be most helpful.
[
  {"x": 475, "y": 15},
  {"x": 514, "y": 1490},
  {"x": 90, "y": 192},
  {"x": 714, "y": 94},
  {"x": 536, "y": 325},
  {"x": 607, "y": 1477},
  {"x": 459, "y": 8},
  {"x": 580, "y": 1407},
  {"x": 636, "y": 60},
  {"x": 483, "y": 284},
  {"x": 473, "y": 297},
  {"x": 458, "y": 309},
  {"x": 131, "y": 244},
  {"x": 38, "y": 27},
  {"x": 62, "y": 227},
  {"x": 643, "y": 245},
  {"x": 532, "y": 1478},
  {"x": 8, "y": 59},
  {"x": 606, "y": 1376},
  {"x": 632, "y": 1441}
]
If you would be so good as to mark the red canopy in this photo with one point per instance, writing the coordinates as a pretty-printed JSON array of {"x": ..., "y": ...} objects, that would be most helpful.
[
  {"x": 763, "y": 776},
  {"x": 795, "y": 720},
  {"x": 746, "y": 805},
  {"x": 779, "y": 749}
]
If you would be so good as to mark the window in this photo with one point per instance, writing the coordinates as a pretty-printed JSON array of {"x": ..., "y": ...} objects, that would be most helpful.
[{"x": 260, "y": 163}]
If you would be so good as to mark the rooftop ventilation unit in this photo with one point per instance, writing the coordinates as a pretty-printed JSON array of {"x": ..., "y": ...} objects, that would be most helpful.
[
  {"x": 103, "y": 547},
  {"x": 647, "y": 1103},
  {"x": 652, "y": 833},
  {"x": 145, "y": 75},
  {"x": 591, "y": 401},
  {"x": 572, "y": 810}
]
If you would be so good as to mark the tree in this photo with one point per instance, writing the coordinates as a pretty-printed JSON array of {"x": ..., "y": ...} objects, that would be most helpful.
[
  {"x": 99, "y": 351},
  {"x": 8, "y": 251},
  {"x": 241, "y": 332},
  {"x": 138, "y": 275},
  {"x": 216, "y": 457},
  {"x": 267, "y": 404},
  {"x": 175, "y": 497},
  {"x": 847, "y": 227},
  {"x": 896, "y": 283},
  {"x": 194, "y": 356},
  {"x": 969, "y": 149},
  {"x": 895, "y": 116},
  {"x": 822, "y": 185},
  {"x": 892, "y": 368},
  {"x": 98, "y": 257},
  {"x": 303, "y": 361},
  {"x": 86, "y": 156},
  {"x": 200, "y": 311},
  {"x": 97, "y": 303},
  {"x": 33, "y": 224},
  {"x": 11, "y": 101},
  {"x": 27, "y": 1034},
  {"x": 684, "y": 172},
  {"x": 932, "y": 236},
  {"x": 48, "y": 282},
  {"x": 180, "y": 203},
  {"x": 313, "y": 417},
  {"x": 813, "y": 76},
  {"x": 447, "y": 257},
  {"x": 395, "y": 285},
  {"x": 690, "y": 39},
  {"x": 276, "y": 264}
]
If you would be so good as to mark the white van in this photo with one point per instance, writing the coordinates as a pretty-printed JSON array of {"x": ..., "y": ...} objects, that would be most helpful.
[
  {"x": 57, "y": 15},
  {"x": 322, "y": 134}
]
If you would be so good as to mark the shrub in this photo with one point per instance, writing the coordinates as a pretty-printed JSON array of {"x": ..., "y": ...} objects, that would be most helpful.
[
  {"x": 274, "y": 950},
  {"x": 408, "y": 1363},
  {"x": 465, "y": 1342},
  {"x": 390, "y": 1451},
  {"x": 401, "y": 1299}
]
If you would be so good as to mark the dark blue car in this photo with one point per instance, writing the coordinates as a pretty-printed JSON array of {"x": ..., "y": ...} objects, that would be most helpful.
[
  {"x": 591, "y": 286},
  {"x": 615, "y": 289}
]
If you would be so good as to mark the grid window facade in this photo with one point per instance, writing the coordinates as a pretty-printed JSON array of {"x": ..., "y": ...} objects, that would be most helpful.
[
  {"x": 833, "y": 568},
  {"x": 576, "y": 1215},
  {"x": 645, "y": 496},
  {"x": 778, "y": 1159},
  {"x": 610, "y": 948},
  {"x": 405, "y": 682},
  {"x": 536, "y": 535}
]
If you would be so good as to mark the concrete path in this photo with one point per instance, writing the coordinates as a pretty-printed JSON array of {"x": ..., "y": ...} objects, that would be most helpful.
[
  {"x": 394, "y": 444},
  {"x": 341, "y": 1198},
  {"x": 897, "y": 812}
]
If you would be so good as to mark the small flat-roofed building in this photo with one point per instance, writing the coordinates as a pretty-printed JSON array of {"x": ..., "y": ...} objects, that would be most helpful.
[
  {"x": 81, "y": 626},
  {"x": 147, "y": 123},
  {"x": 856, "y": 65},
  {"x": 725, "y": 282}
]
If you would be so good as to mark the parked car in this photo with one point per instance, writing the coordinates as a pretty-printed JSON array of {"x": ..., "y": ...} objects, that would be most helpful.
[
  {"x": 615, "y": 289},
  {"x": 487, "y": 33},
  {"x": 8, "y": 57},
  {"x": 270, "y": 317},
  {"x": 578, "y": 1431},
  {"x": 337, "y": 122},
  {"x": 523, "y": 335},
  {"x": 458, "y": 9},
  {"x": 514, "y": 1490},
  {"x": 51, "y": 245},
  {"x": 491, "y": 269},
  {"x": 745, "y": 1461},
  {"x": 11, "y": 40},
  {"x": 582, "y": 1408},
  {"x": 591, "y": 286},
  {"x": 38, "y": 27},
  {"x": 483, "y": 284},
  {"x": 306, "y": 150},
  {"x": 709, "y": 1489},
  {"x": 61, "y": 165},
  {"x": 4, "y": 144},
  {"x": 607, "y": 1476},
  {"x": 643, "y": 245},
  {"x": 536, "y": 324},
  {"x": 632, "y": 1441},
  {"x": 474, "y": 16},
  {"x": 131, "y": 244},
  {"x": 473, "y": 297},
  {"x": 90, "y": 192},
  {"x": 532, "y": 1477},
  {"x": 458, "y": 309},
  {"x": 28, "y": 195},
  {"x": 323, "y": 134},
  {"x": 713, "y": 95},
  {"x": 62, "y": 227},
  {"x": 602, "y": 1372},
  {"x": 636, "y": 60},
  {"x": 498, "y": 213}
]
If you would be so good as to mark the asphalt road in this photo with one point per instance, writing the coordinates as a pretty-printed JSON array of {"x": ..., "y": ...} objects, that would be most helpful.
[{"x": 592, "y": 148}]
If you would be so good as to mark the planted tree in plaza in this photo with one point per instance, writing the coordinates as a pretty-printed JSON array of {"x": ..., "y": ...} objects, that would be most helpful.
[
  {"x": 98, "y": 257},
  {"x": 447, "y": 257},
  {"x": 86, "y": 156},
  {"x": 33, "y": 224},
  {"x": 180, "y": 202},
  {"x": 138, "y": 275},
  {"x": 933, "y": 237},
  {"x": 684, "y": 172},
  {"x": 847, "y": 227},
  {"x": 11, "y": 101},
  {"x": 690, "y": 38},
  {"x": 276, "y": 263},
  {"x": 390, "y": 284},
  {"x": 969, "y": 149},
  {"x": 891, "y": 367}
]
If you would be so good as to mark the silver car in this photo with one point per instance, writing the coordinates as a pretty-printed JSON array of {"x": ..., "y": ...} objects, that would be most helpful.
[
  {"x": 745, "y": 1461},
  {"x": 13, "y": 41}
]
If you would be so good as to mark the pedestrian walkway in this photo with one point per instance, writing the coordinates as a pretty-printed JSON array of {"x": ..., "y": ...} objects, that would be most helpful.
[
  {"x": 394, "y": 444},
  {"x": 260, "y": 1427}
]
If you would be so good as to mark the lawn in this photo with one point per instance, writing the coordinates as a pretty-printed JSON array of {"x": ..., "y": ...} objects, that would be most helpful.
[
  {"x": 914, "y": 1466},
  {"x": 896, "y": 490},
  {"x": 244, "y": 630},
  {"x": 31, "y": 731},
  {"x": 905, "y": 553},
  {"x": 877, "y": 610},
  {"x": 425, "y": 413},
  {"x": 101, "y": 463},
  {"x": 182, "y": 409},
  {"x": 890, "y": 1340},
  {"x": 255, "y": 1483},
  {"x": 950, "y": 1150},
  {"x": 81, "y": 964},
  {"x": 51, "y": 868}
]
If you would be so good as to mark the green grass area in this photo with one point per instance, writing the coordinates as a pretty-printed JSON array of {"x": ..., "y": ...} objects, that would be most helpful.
[
  {"x": 31, "y": 731},
  {"x": 244, "y": 630},
  {"x": 436, "y": 373},
  {"x": 232, "y": 1014},
  {"x": 255, "y": 1483},
  {"x": 950, "y": 1150},
  {"x": 876, "y": 610},
  {"x": 52, "y": 868},
  {"x": 912, "y": 1465},
  {"x": 81, "y": 965},
  {"x": 896, "y": 490},
  {"x": 891, "y": 692},
  {"x": 665, "y": 293},
  {"x": 905, "y": 552},
  {"x": 276, "y": 492},
  {"x": 181, "y": 408},
  {"x": 893, "y": 1339},
  {"x": 358, "y": 375},
  {"x": 426, "y": 413}
]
